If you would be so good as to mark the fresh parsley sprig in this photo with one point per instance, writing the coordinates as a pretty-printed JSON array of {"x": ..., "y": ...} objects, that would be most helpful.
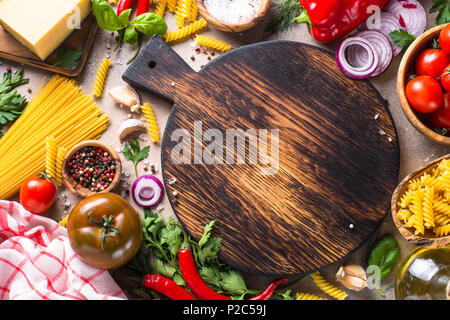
[
  {"x": 133, "y": 152},
  {"x": 402, "y": 38},
  {"x": 442, "y": 7},
  {"x": 11, "y": 102},
  {"x": 67, "y": 57}
]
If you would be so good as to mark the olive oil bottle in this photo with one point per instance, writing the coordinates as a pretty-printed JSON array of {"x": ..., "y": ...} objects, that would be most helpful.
[{"x": 424, "y": 274}]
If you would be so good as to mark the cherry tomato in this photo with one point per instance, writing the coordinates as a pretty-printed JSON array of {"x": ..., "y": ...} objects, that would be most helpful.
[
  {"x": 432, "y": 62},
  {"x": 444, "y": 39},
  {"x": 104, "y": 230},
  {"x": 37, "y": 194},
  {"x": 445, "y": 79},
  {"x": 441, "y": 117},
  {"x": 424, "y": 94}
]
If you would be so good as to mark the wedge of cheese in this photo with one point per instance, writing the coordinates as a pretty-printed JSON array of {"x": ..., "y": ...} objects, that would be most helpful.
[{"x": 42, "y": 25}]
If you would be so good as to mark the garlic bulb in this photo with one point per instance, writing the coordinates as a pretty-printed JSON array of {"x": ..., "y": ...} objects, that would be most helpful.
[{"x": 352, "y": 276}]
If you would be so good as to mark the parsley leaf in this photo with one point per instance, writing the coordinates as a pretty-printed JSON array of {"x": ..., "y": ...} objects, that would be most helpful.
[
  {"x": 133, "y": 152},
  {"x": 402, "y": 38},
  {"x": 443, "y": 9},
  {"x": 11, "y": 102},
  {"x": 66, "y": 57}
]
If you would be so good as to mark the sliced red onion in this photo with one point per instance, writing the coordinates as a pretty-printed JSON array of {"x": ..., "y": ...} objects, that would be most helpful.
[
  {"x": 147, "y": 191},
  {"x": 382, "y": 46},
  {"x": 410, "y": 14},
  {"x": 348, "y": 66},
  {"x": 387, "y": 23}
]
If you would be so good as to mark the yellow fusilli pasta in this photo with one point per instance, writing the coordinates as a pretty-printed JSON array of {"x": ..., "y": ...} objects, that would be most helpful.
[
  {"x": 160, "y": 7},
  {"x": 172, "y": 5},
  {"x": 424, "y": 205},
  {"x": 308, "y": 296},
  {"x": 194, "y": 11},
  {"x": 151, "y": 120},
  {"x": 327, "y": 287},
  {"x": 101, "y": 76},
  {"x": 60, "y": 155},
  {"x": 185, "y": 31},
  {"x": 182, "y": 12},
  {"x": 442, "y": 231},
  {"x": 50, "y": 160},
  {"x": 212, "y": 43}
]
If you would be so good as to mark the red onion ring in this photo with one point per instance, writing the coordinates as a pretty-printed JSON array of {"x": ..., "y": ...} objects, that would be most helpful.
[
  {"x": 388, "y": 23},
  {"x": 410, "y": 14},
  {"x": 147, "y": 191},
  {"x": 382, "y": 46},
  {"x": 355, "y": 71}
]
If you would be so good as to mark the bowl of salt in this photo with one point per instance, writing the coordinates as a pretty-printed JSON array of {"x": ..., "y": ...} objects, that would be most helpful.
[{"x": 233, "y": 15}]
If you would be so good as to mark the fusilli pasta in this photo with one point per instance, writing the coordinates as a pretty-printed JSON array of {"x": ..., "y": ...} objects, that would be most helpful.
[
  {"x": 212, "y": 43},
  {"x": 152, "y": 123},
  {"x": 308, "y": 296},
  {"x": 60, "y": 155},
  {"x": 50, "y": 160},
  {"x": 160, "y": 7},
  {"x": 327, "y": 287},
  {"x": 185, "y": 31},
  {"x": 101, "y": 76}
]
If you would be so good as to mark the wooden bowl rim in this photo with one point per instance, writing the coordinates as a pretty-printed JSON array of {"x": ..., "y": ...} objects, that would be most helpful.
[
  {"x": 407, "y": 233},
  {"x": 84, "y": 192},
  {"x": 413, "y": 119},
  {"x": 233, "y": 27}
]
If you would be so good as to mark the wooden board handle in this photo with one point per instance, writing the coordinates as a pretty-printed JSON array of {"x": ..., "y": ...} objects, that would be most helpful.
[{"x": 160, "y": 70}]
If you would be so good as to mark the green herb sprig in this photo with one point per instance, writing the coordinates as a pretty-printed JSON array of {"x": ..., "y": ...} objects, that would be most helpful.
[
  {"x": 11, "y": 102},
  {"x": 285, "y": 12},
  {"x": 67, "y": 57},
  {"x": 148, "y": 23},
  {"x": 442, "y": 7},
  {"x": 384, "y": 255},
  {"x": 133, "y": 152},
  {"x": 402, "y": 38}
]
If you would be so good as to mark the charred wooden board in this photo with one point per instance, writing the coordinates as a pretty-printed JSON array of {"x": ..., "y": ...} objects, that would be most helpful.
[
  {"x": 335, "y": 166},
  {"x": 81, "y": 39}
]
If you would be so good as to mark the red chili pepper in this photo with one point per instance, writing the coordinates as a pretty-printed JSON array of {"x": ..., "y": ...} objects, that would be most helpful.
[
  {"x": 266, "y": 294},
  {"x": 201, "y": 290},
  {"x": 330, "y": 20},
  {"x": 124, "y": 5},
  {"x": 143, "y": 7},
  {"x": 167, "y": 287},
  {"x": 193, "y": 280}
]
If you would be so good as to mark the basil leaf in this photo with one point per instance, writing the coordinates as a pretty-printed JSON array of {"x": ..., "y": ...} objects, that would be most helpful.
[
  {"x": 131, "y": 35},
  {"x": 384, "y": 254},
  {"x": 106, "y": 16},
  {"x": 150, "y": 23},
  {"x": 124, "y": 17}
]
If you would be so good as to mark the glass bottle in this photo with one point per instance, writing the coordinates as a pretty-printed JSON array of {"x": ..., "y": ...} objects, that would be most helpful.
[{"x": 424, "y": 274}]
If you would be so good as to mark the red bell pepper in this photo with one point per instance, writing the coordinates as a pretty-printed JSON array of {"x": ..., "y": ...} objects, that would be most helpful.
[{"x": 329, "y": 20}]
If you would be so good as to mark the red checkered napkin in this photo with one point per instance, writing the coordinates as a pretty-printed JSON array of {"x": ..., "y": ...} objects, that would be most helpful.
[{"x": 37, "y": 262}]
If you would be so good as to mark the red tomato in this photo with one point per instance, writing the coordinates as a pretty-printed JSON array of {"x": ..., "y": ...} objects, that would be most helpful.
[
  {"x": 441, "y": 117},
  {"x": 424, "y": 94},
  {"x": 445, "y": 79},
  {"x": 37, "y": 194},
  {"x": 444, "y": 39},
  {"x": 432, "y": 62}
]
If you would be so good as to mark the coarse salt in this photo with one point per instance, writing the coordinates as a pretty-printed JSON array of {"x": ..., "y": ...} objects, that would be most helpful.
[{"x": 232, "y": 11}]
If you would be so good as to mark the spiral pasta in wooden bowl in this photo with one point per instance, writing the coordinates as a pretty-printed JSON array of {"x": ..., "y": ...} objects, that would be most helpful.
[{"x": 421, "y": 205}]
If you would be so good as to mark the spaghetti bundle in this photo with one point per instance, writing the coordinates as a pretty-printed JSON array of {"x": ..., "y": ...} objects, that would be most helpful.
[{"x": 59, "y": 110}]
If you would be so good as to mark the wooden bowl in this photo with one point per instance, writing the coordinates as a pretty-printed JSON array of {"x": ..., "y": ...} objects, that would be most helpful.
[
  {"x": 233, "y": 27},
  {"x": 80, "y": 190},
  {"x": 407, "y": 68},
  {"x": 429, "y": 239}
]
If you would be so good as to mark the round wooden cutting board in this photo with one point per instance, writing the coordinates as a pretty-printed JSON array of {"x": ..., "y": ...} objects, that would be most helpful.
[{"x": 331, "y": 164}]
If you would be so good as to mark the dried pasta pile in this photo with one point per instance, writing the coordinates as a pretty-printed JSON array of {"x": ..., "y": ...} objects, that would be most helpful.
[
  {"x": 58, "y": 111},
  {"x": 424, "y": 205}
]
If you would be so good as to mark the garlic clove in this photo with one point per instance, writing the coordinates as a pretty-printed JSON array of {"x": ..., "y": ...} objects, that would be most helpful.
[
  {"x": 352, "y": 276},
  {"x": 125, "y": 96},
  {"x": 131, "y": 126}
]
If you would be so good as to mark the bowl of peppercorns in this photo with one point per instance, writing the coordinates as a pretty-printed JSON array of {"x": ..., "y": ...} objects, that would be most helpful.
[{"x": 91, "y": 167}]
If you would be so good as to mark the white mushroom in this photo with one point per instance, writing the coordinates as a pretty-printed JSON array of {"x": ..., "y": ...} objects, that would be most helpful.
[
  {"x": 129, "y": 127},
  {"x": 126, "y": 96}
]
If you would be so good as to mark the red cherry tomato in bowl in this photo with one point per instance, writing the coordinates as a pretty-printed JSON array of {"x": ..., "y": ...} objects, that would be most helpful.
[
  {"x": 445, "y": 79},
  {"x": 444, "y": 39},
  {"x": 37, "y": 194},
  {"x": 432, "y": 62},
  {"x": 441, "y": 117},
  {"x": 424, "y": 94}
]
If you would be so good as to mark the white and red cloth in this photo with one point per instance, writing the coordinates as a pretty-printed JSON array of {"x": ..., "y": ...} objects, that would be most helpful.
[{"x": 37, "y": 261}]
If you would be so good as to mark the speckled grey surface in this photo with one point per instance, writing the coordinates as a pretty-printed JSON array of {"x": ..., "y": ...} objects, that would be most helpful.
[{"x": 415, "y": 149}]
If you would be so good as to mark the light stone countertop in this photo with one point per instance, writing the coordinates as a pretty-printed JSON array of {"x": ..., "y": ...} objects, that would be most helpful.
[{"x": 415, "y": 149}]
